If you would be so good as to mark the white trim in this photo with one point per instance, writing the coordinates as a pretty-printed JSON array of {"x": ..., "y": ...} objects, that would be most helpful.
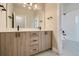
[{"x": 55, "y": 50}]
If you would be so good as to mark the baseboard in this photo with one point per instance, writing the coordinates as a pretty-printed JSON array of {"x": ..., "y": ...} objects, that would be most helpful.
[{"x": 55, "y": 50}]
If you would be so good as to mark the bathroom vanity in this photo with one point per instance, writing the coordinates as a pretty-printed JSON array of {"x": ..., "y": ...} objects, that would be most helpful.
[
  {"x": 25, "y": 31},
  {"x": 24, "y": 43}
]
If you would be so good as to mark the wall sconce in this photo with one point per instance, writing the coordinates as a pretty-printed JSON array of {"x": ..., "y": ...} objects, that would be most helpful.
[
  {"x": 40, "y": 21},
  {"x": 50, "y": 18},
  {"x": 2, "y": 8}
]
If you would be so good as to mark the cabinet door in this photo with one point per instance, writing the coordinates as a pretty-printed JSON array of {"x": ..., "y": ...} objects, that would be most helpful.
[
  {"x": 42, "y": 42},
  {"x": 21, "y": 44},
  {"x": 18, "y": 36},
  {"x": 8, "y": 44},
  {"x": 48, "y": 39},
  {"x": 2, "y": 44},
  {"x": 25, "y": 43},
  {"x": 15, "y": 44}
]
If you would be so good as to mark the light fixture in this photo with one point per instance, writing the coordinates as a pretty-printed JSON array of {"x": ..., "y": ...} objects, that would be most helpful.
[
  {"x": 35, "y": 6},
  {"x": 30, "y": 4},
  {"x": 2, "y": 8},
  {"x": 24, "y": 5},
  {"x": 29, "y": 7}
]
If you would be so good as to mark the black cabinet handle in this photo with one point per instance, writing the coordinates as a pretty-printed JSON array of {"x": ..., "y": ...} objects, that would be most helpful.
[
  {"x": 34, "y": 40},
  {"x": 46, "y": 33},
  {"x": 35, "y": 34},
  {"x": 17, "y": 35},
  {"x": 34, "y": 49}
]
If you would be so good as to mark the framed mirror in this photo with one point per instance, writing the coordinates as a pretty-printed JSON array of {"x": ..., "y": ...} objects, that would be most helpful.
[{"x": 25, "y": 15}]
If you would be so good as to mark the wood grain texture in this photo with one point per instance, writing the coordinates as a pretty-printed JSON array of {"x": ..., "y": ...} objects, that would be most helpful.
[
  {"x": 8, "y": 45},
  {"x": 3, "y": 44},
  {"x": 12, "y": 36},
  {"x": 40, "y": 41},
  {"x": 34, "y": 43},
  {"x": 48, "y": 40},
  {"x": 15, "y": 45},
  {"x": 28, "y": 43},
  {"x": 45, "y": 40},
  {"x": 0, "y": 44},
  {"x": 24, "y": 43}
]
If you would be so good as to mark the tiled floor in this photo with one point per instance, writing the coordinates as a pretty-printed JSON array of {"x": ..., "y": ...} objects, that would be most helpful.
[
  {"x": 70, "y": 48},
  {"x": 46, "y": 53}
]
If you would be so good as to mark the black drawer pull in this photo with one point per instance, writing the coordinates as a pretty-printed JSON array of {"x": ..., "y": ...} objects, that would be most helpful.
[
  {"x": 34, "y": 49},
  {"x": 34, "y": 40},
  {"x": 46, "y": 33},
  {"x": 17, "y": 35}
]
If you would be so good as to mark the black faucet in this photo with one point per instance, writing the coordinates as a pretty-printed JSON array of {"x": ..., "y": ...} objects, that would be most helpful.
[
  {"x": 18, "y": 27},
  {"x": 39, "y": 27}
]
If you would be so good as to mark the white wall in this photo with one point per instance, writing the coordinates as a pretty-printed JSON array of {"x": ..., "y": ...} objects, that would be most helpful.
[
  {"x": 52, "y": 9},
  {"x": 3, "y": 18},
  {"x": 9, "y": 13}
]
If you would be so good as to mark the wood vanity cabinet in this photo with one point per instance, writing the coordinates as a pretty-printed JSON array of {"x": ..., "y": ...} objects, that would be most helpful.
[
  {"x": 34, "y": 43},
  {"x": 24, "y": 43},
  {"x": 2, "y": 44},
  {"x": 45, "y": 40}
]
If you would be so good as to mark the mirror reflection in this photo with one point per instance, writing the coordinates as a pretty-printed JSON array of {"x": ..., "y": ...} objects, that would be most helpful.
[{"x": 25, "y": 15}]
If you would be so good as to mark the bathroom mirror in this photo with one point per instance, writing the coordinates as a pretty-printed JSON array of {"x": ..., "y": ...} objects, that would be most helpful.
[{"x": 25, "y": 15}]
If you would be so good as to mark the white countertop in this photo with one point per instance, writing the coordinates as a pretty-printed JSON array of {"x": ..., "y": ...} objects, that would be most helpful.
[{"x": 22, "y": 30}]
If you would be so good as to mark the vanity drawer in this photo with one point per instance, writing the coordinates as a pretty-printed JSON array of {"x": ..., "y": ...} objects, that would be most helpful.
[
  {"x": 34, "y": 34},
  {"x": 34, "y": 43},
  {"x": 34, "y": 39},
  {"x": 34, "y": 49}
]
